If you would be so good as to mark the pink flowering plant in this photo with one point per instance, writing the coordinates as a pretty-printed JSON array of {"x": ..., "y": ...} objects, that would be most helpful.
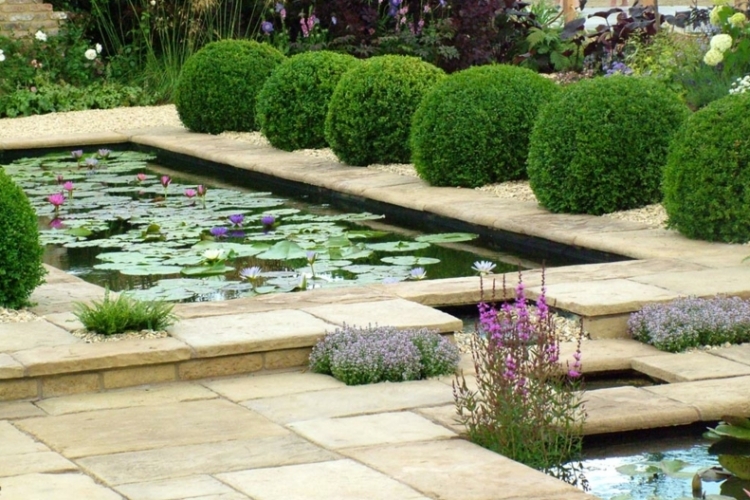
[{"x": 528, "y": 405}]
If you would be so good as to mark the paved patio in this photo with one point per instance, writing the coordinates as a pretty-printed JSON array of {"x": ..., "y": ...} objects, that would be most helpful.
[{"x": 206, "y": 413}]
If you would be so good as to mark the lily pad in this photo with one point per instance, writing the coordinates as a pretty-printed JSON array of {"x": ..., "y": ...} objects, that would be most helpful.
[
  {"x": 409, "y": 260},
  {"x": 284, "y": 250},
  {"x": 398, "y": 246}
]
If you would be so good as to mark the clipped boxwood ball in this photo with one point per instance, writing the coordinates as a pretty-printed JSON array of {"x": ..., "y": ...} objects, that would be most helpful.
[
  {"x": 293, "y": 103},
  {"x": 602, "y": 145},
  {"x": 21, "y": 270},
  {"x": 370, "y": 112},
  {"x": 219, "y": 84},
  {"x": 473, "y": 128},
  {"x": 707, "y": 177}
]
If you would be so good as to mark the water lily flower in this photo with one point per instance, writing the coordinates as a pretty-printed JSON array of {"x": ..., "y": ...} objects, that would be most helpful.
[
  {"x": 140, "y": 177},
  {"x": 77, "y": 154},
  {"x": 251, "y": 273},
  {"x": 268, "y": 220},
  {"x": 218, "y": 232},
  {"x": 92, "y": 162},
  {"x": 418, "y": 273},
  {"x": 202, "y": 190},
  {"x": 41, "y": 36},
  {"x": 165, "y": 181},
  {"x": 104, "y": 153},
  {"x": 60, "y": 179},
  {"x": 213, "y": 254},
  {"x": 56, "y": 200},
  {"x": 483, "y": 267},
  {"x": 311, "y": 256},
  {"x": 190, "y": 193},
  {"x": 68, "y": 186},
  {"x": 236, "y": 219}
]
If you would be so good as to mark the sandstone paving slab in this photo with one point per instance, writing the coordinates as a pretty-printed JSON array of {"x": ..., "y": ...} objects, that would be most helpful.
[
  {"x": 64, "y": 140},
  {"x": 358, "y": 185},
  {"x": 71, "y": 486},
  {"x": 398, "y": 313},
  {"x": 621, "y": 269},
  {"x": 103, "y": 355},
  {"x": 57, "y": 297},
  {"x": 689, "y": 366},
  {"x": 270, "y": 385},
  {"x": 487, "y": 211},
  {"x": 622, "y": 409},
  {"x": 15, "y": 442},
  {"x": 10, "y": 410},
  {"x": 602, "y": 297},
  {"x": 207, "y": 458},
  {"x": 733, "y": 281},
  {"x": 738, "y": 353},
  {"x": 222, "y": 496},
  {"x": 143, "y": 396},
  {"x": 719, "y": 256},
  {"x": 29, "y": 463},
  {"x": 147, "y": 427},
  {"x": 456, "y": 469},
  {"x": 9, "y": 367},
  {"x": 607, "y": 354},
  {"x": 353, "y": 400},
  {"x": 175, "y": 489},
  {"x": 645, "y": 243},
  {"x": 370, "y": 430},
  {"x": 339, "y": 480},
  {"x": 325, "y": 296},
  {"x": 56, "y": 276},
  {"x": 444, "y": 415},
  {"x": 713, "y": 398},
  {"x": 443, "y": 292},
  {"x": 21, "y": 336},
  {"x": 418, "y": 196},
  {"x": 241, "y": 305},
  {"x": 240, "y": 333},
  {"x": 65, "y": 320}
]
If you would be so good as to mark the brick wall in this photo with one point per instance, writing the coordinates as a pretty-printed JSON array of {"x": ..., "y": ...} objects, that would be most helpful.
[{"x": 21, "y": 17}]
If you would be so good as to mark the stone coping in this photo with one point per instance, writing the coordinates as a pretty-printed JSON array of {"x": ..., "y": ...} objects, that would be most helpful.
[{"x": 668, "y": 266}]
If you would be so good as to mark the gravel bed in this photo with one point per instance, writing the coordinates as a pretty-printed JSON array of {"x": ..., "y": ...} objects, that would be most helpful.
[
  {"x": 93, "y": 337},
  {"x": 17, "y": 316}
]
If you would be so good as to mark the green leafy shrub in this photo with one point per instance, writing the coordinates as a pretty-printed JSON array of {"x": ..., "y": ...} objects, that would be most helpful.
[
  {"x": 707, "y": 177},
  {"x": 472, "y": 128},
  {"x": 123, "y": 314},
  {"x": 370, "y": 112},
  {"x": 21, "y": 268},
  {"x": 602, "y": 145},
  {"x": 383, "y": 354},
  {"x": 218, "y": 86},
  {"x": 293, "y": 103}
]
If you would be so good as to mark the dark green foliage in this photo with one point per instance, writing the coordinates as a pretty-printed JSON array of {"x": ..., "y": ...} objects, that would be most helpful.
[
  {"x": 369, "y": 116},
  {"x": 473, "y": 128},
  {"x": 293, "y": 103},
  {"x": 123, "y": 314},
  {"x": 602, "y": 145},
  {"x": 219, "y": 84},
  {"x": 21, "y": 268},
  {"x": 707, "y": 177}
]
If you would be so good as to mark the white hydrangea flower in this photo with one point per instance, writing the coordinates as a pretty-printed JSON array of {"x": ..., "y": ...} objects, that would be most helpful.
[
  {"x": 90, "y": 54},
  {"x": 98, "y": 48},
  {"x": 2, "y": 55},
  {"x": 721, "y": 42},
  {"x": 713, "y": 17},
  {"x": 41, "y": 36},
  {"x": 713, "y": 57}
]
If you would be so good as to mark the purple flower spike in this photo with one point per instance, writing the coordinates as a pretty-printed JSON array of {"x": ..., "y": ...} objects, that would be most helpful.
[
  {"x": 218, "y": 232},
  {"x": 266, "y": 27},
  {"x": 236, "y": 219}
]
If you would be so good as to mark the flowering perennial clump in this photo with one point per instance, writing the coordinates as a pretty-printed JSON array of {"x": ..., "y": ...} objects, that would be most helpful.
[
  {"x": 383, "y": 354},
  {"x": 527, "y": 406},
  {"x": 692, "y": 322}
]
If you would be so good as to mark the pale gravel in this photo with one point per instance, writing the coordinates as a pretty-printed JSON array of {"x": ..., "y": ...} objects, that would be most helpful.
[
  {"x": 93, "y": 337},
  {"x": 119, "y": 119},
  {"x": 17, "y": 316}
]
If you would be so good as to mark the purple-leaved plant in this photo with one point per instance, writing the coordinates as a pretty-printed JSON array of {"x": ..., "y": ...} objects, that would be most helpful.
[
  {"x": 692, "y": 322},
  {"x": 527, "y": 405},
  {"x": 378, "y": 354}
]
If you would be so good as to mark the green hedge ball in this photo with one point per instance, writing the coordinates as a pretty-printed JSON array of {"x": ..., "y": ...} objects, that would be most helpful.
[
  {"x": 369, "y": 116},
  {"x": 218, "y": 86}
]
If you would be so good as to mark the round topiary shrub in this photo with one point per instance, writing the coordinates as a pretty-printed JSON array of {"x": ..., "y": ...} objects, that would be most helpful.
[
  {"x": 370, "y": 112},
  {"x": 219, "y": 84},
  {"x": 707, "y": 177},
  {"x": 473, "y": 128},
  {"x": 293, "y": 103},
  {"x": 21, "y": 270},
  {"x": 602, "y": 145}
]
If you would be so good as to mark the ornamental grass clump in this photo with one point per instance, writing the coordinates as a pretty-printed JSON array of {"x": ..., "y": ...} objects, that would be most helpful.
[
  {"x": 526, "y": 407},
  {"x": 692, "y": 322},
  {"x": 383, "y": 354},
  {"x": 123, "y": 314}
]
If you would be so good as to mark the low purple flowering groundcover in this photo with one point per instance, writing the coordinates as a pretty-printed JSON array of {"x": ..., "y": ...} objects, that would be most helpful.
[
  {"x": 692, "y": 322},
  {"x": 358, "y": 356}
]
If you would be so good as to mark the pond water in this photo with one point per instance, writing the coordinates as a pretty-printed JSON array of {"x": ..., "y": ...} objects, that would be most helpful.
[
  {"x": 655, "y": 469},
  {"x": 117, "y": 220}
]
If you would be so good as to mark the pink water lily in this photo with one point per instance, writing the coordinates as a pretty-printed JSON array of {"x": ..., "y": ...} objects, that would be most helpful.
[
  {"x": 165, "y": 181},
  {"x": 201, "y": 189},
  {"x": 190, "y": 193},
  {"x": 56, "y": 200},
  {"x": 140, "y": 177},
  {"x": 69, "y": 187}
]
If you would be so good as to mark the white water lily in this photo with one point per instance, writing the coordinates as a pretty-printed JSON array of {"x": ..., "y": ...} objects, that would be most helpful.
[
  {"x": 483, "y": 267},
  {"x": 213, "y": 254},
  {"x": 90, "y": 54},
  {"x": 41, "y": 36}
]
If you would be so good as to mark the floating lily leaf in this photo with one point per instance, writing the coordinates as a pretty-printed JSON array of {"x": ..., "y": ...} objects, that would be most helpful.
[
  {"x": 732, "y": 431},
  {"x": 338, "y": 241},
  {"x": 737, "y": 465},
  {"x": 284, "y": 250},
  {"x": 149, "y": 270},
  {"x": 80, "y": 232},
  {"x": 446, "y": 237},
  {"x": 398, "y": 246},
  {"x": 409, "y": 260},
  {"x": 206, "y": 270},
  {"x": 366, "y": 234}
]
